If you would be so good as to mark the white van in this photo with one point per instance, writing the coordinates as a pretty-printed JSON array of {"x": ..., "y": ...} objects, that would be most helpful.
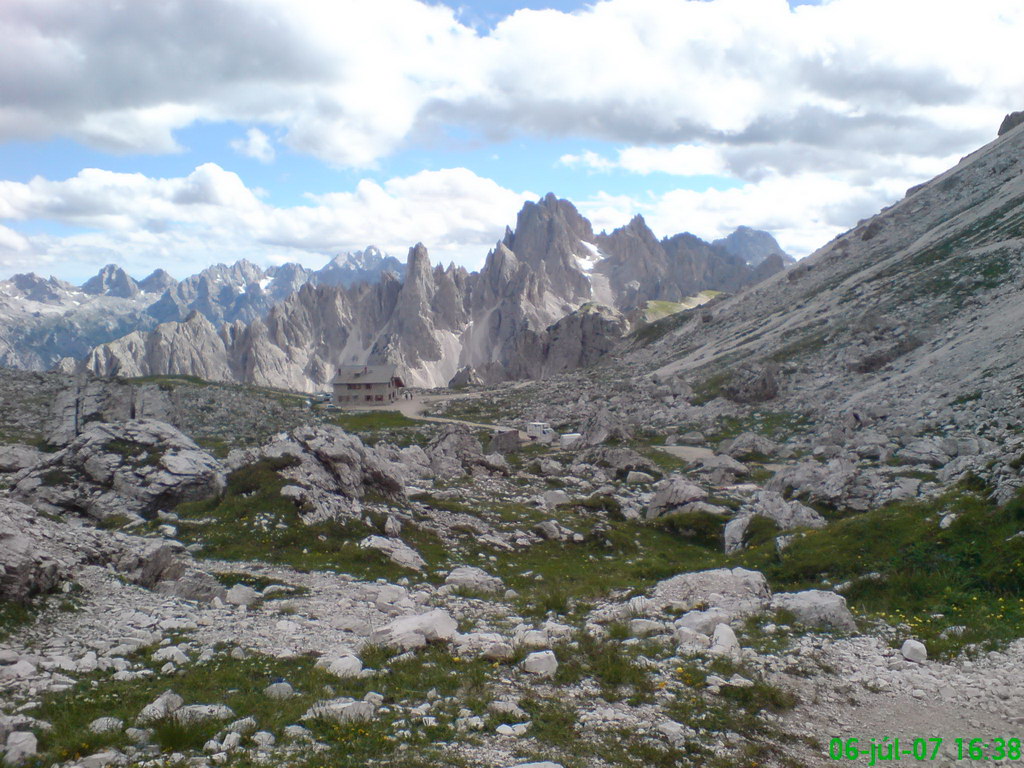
[{"x": 540, "y": 431}]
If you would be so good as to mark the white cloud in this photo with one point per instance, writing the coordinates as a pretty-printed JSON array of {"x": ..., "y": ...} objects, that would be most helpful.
[
  {"x": 256, "y": 145},
  {"x": 12, "y": 242},
  {"x": 350, "y": 81},
  {"x": 803, "y": 211},
  {"x": 184, "y": 224},
  {"x": 680, "y": 160},
  {"x": 824, "y": 112},
  {"x": 589, "y": 160}
]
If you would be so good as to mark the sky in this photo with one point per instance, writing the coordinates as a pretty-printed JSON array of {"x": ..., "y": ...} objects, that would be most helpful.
[{"x": 181, "y": 133}]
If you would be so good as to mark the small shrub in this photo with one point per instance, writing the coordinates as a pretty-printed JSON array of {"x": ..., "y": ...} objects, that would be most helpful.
[
  {"x": 601, "y": 502},
  {"x": 760, "y": 530},
  {"x": 55, "y": 477},
  {"x": 702, "y": 528},
  {"x": 173, "y": 735}
]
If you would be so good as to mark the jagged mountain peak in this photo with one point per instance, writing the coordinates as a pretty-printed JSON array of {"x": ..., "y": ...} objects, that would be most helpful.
[
  {"x": 352, "y": 267},
  {"x": 548, "y": 229},
  {"x": 418, "y": 268},
  {"x": 436, "y": 319},
  {"x": 35, "y": 288},
  {"x": 751, "y": 245},
  {"x": 158, "y": 281},
  {"x": 1010, "y": 122},
  {"x": 111, "y": 280}
]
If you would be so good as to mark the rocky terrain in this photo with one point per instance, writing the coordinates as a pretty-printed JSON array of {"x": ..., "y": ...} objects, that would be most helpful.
[
  {"x": 774, "y": 523},
  {"x": 552, "y": 296}
]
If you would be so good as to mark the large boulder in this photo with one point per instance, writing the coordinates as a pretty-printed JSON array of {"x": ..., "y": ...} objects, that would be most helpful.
[
  {"x": 328, "y": 470},
  {"x": 408, "y": 632},
  {"x": 397, "y": 551},
  {"x": 603, "y": 426},
  {"x": 14, "y": 458},
  {"x": 98, "y": 400},
  {"x": 25, "y": 568},
  {"x": 541, "y": 663},
  {"x": 770, "y": 504},
  {"x": 21, "y": 746},
  {"x": 456, "y": 451},
  {"x": 816, "y": 608},
  {"x": 672, "y": 493},
  {"x": 129, "y": 468},
  {"x": 505, "y": 442},
  {"x": 471, "y": 577},
  {"x": 736, "y": 590},
  {"x": 839, "y": 483},
  {"x": 342, "y": 710},
  {"x": 619, "y": 460},
  {"x": 464, "y": 377},
  {"x": 752, "y": 383},
  {"x": 749, "y": 445}
]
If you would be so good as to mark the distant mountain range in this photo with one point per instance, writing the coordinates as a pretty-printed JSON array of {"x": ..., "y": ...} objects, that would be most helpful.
[
  {"x": 551, "y": 296},
  {"x": 43, "y": 320}
]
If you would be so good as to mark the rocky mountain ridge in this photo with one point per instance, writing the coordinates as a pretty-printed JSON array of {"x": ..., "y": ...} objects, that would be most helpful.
[
  {"x": 511, "y": 320},
  {"x": 45, "y": 320}
]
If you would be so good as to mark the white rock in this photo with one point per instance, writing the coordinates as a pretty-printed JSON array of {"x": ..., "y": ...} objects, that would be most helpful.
[
  {"x": 817, "y": 608},
  {"x": 537, "y": 765},
  {"x": 519, "y": 729},
  {"x": 914, "y": 650},
  {"x": 470, "y": 577},
  {"x": 553, "y": 498},
  {"x": 100, "y": 759},
  {"x": 542, "y": 663},
  {"x": 676, "y": 733},
  {"x": 348, "y": 665},
  {"x": 19, "y": 669},
  {"x": 279, "y": 691},
  {"x": 691, "y": 641},
  {"x": 166, "y": 703},
  {"x": 243, "y": 726},
  {"x": 343, "y": 710},
  {"x": 263, "y": 739},
  {"x": 171, "y": 653},
  {"x": 704, "y": 622},
  {"x": 21, "y": 745},
  {"x": 200, "y": 713},
  {"x": 736, "y": 589},
  {"x": 231, "y": 741},
  {"x": 416, "y": 631},
  {"x": 106, "y": 725},
  {"x": 297, "y": 733},
  {"x": 724, "y": 642},
  {"x": 532, "y": 638},
  {"x": 240, "y": 594},
  {"x": 645, "y": 627},
  {"x": 635, "y": 476},
  {"x": 397, "y": 551},
  {"x": 671, "y": 493}
]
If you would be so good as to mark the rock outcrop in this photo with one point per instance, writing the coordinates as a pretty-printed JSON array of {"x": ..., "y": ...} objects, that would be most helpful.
[
  {"x": 38, "y": 554},
  {"x": 328, "y": 471},
  {"x": 1010, "y": 122},
  {"x": 133, "y": 468}
]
